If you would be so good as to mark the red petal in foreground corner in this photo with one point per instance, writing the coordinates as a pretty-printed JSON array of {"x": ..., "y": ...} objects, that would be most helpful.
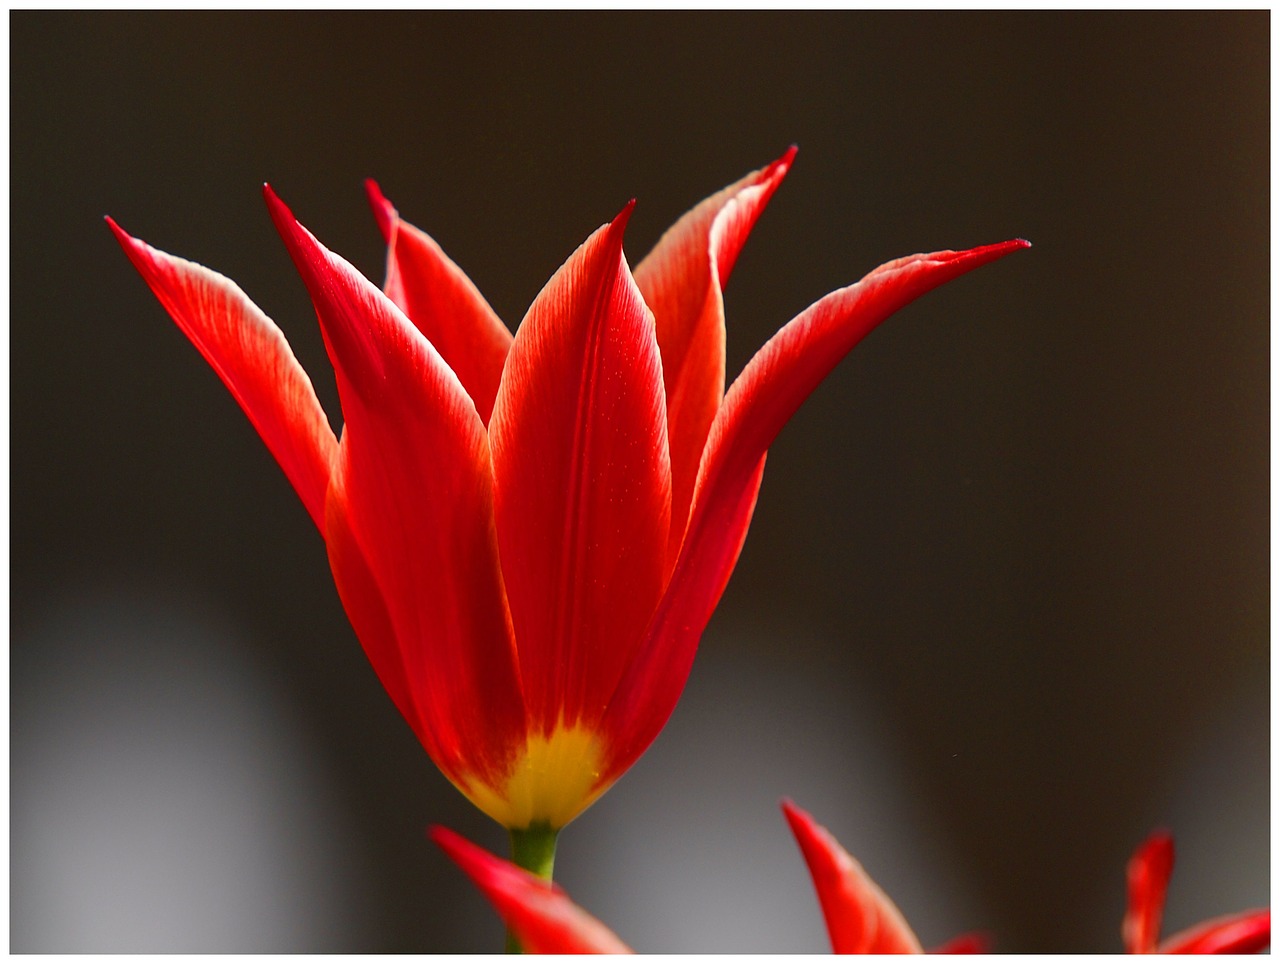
[
  {"x": 1148, "y": 875},
  {"x": 861, "y": 919},
  {"x": 539, "y": 912}
]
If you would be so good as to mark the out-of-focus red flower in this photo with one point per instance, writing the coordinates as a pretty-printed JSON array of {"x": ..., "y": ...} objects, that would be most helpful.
[
  {"x": 1149, "y": 871},
  {"x": 538, "y": 911},
  {"x": 861, "y": 919},
  {"x": 529, "y": 535}
]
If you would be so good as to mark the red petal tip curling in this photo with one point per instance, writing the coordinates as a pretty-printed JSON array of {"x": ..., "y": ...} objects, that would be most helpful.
[
  {"x": 384, "y": 211},
  {"x": 540, "y": 913},
  {"x": 253, "y": 359},
  {"x": 624, "y": 216},
  {"x": 861, "y": 919},
  {"x": 785, "y": 162}
]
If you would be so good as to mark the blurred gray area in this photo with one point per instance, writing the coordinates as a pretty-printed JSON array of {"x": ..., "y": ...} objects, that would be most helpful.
[{"x": 1004, "y": 607}]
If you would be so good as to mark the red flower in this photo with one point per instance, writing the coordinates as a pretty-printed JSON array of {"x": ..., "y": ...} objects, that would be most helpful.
[
  {"x": 538, "y": 911},
  {"x": 529, "y": 535},
  {"x": 860, "y": 918},
  {"x": 1149, "y": 871}
]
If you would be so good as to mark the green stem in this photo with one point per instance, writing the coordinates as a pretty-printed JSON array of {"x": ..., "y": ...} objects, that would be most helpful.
[{"x": 534, "y": 850}]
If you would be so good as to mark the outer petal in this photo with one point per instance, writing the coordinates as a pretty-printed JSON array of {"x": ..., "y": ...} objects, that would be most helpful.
[
  {"x": 682, "y": 279},
  {"x": 362, "y": 599},
  {"x": 860, "y": 918},
  {"x": 583, "y": 482},
  {"x": 1148, "y": 878},
  {"x": 1246, "y": 933},
  {"x": 759, "y": 403},
  {"x": 444, "y": 304},
  {"x": 540, "y": 913},
  {"x": 417, "y": 486},
  {"x": 252, "y": 358}
]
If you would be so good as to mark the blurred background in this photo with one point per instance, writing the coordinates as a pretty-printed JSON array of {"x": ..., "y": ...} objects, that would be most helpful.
[{"x": 1004, "y": 606}]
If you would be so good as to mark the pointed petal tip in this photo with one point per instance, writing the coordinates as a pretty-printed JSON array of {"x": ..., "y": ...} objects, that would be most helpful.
[
  {"x": 783, "y": 164},
  {"x": 384, "y": 212},
  {"x": 1158, "y": 843},
  {"x": 619, "y": 223},
  {"x": 468, "y": 856},
  {"x": 287, "y": 224},
  {"x": 121, "y": 234},
  {"x": 279, "y": 211},
  {"x": 442, "y": 837},
  {"x": 976, "y": 257},
  {"x": 1001, "y": 248},
  {"x": 135, "y": 250},
  {"x": 799, "y": 820},
  {"x": 616, "y": 228},
  {"x": 270, "y": 196}
]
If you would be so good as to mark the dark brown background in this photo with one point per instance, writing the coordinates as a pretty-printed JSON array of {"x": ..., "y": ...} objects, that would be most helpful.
[{"x": 1004, "y": 606}]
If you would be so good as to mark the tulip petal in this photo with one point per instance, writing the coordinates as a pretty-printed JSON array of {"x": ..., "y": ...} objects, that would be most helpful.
[
  {"x": 443, "y": 303},
  {"x": 540, "y": 913},
  {"x": 1245, "y": 933},
  {"x": 367, "y": 610},
  {"x": 861, "y": 919},
  {"x": 682, "y": 280},
  {"x": 767, "y": 393},
  {"x": 1148, "y": 882},
  {"x": 582, "y": 482},
  {"x": 417, "y": 486},
  {"x": 254, "y": 361}
]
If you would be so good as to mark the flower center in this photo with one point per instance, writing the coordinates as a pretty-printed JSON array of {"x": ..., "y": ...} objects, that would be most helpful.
[{"x": 555, "y": 780}]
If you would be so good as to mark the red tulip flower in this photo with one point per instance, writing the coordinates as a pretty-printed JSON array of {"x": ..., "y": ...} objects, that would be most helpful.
[
  {"x": 529, "y": 534},
  {"x": 1149, "y": 871}
]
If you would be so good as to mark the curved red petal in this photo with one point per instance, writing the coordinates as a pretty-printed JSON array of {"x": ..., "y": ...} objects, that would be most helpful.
[
  {"x": 540, "y": 913},
  {"x": 767, "y": 393},
  {"x": 1148, "y": 882},
  {"x": 418, "y": 495},
  {"x": 682, "y": 279},
  {"x": 444, "y": 305},
  {"x": 861, "y": 919},
  {"x": 582, "y": 482},
  {"x": 367, "y": 610},
  {"x": 1245, "y": 933},
  {"x": 252, "y": 358}
]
